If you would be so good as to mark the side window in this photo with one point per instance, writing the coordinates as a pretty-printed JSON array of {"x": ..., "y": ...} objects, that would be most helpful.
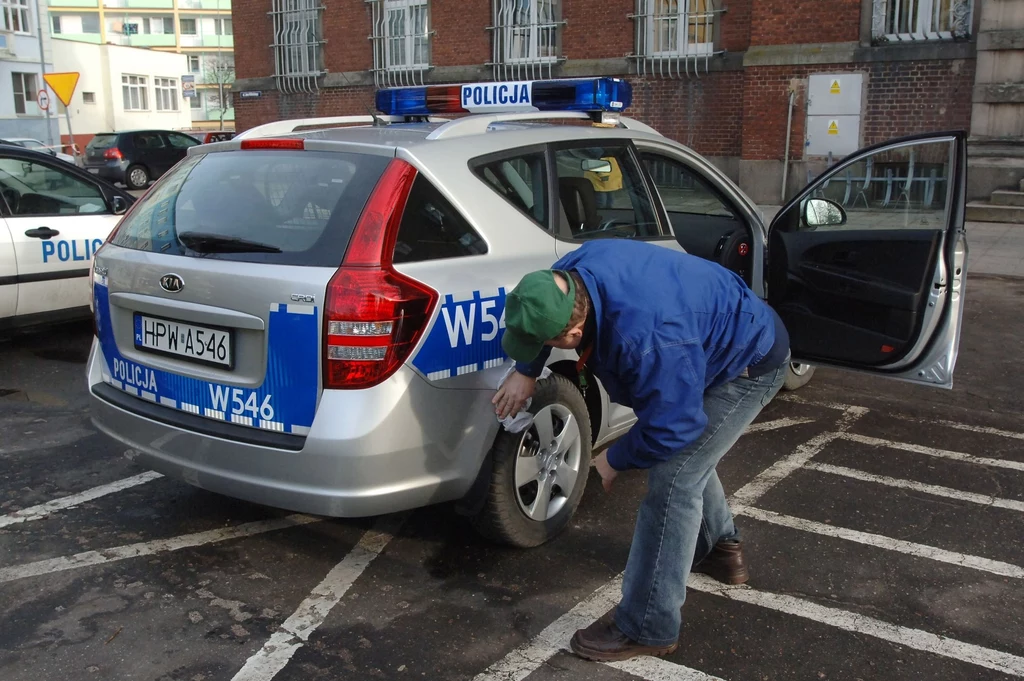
[
  {"x": 601, "y": 194},
  {"x": 520, "y": 180},
  {"x": 181, "y": 141},
  {"x": 703, "y": 223},
  {"x": 682, "y": 190},
  {"x": 432, "y": 228},
  {"x": 901, "y": 188},
  {"x": 149, "y": 140},
  {"x": 30, "y": 188}
]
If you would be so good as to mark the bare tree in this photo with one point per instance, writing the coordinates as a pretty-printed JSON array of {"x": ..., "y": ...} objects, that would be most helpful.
[{"x": 220, "y": 71}]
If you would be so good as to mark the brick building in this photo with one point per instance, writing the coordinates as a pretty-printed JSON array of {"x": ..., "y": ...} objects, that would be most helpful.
[{"x": 717, "y": 75}]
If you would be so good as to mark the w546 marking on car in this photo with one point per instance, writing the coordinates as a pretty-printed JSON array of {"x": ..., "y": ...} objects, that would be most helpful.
[{"x": 465, "y": 337}]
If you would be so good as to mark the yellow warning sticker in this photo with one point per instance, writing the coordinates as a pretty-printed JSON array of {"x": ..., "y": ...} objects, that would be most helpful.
[
  {"x": 833, "y": 127},
  {"x": 835, "y": 89}
]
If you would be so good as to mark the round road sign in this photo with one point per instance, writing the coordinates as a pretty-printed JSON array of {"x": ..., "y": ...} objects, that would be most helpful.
[{"x": 43, "y": 99}]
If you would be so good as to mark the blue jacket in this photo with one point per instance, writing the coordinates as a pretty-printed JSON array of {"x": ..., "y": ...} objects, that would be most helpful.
[{"x": 668, "y": 327}]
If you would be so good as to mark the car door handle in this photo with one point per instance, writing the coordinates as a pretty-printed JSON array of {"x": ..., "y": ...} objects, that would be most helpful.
[{"x": 41, "y": 233}]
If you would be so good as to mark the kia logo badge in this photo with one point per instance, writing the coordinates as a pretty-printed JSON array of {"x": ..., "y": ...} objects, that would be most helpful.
[{"x": 171, "y": 283}]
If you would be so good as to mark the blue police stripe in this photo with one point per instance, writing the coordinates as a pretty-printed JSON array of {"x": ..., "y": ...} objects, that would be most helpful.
[
  {"x": 456, "y": 343},
  {"x": 290, "y": 382}
]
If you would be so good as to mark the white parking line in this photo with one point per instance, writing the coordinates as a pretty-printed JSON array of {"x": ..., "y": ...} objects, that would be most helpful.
[
  {"x": 931, "y": 451},
  {"x": 862, "y": 624},
  {"x": 43, "y": 510},
  {"x": 658, "y": 669},
  {"x": 985, "y": 430},
  {"x": 935, "y": 490},
  {"x": 771, "y": 476},
  {"x": 118, "y": 553},
  {"x": 878, "y": 541},
  {"x": 312, "y": 612},
  {"x": 776, "y": 424}
]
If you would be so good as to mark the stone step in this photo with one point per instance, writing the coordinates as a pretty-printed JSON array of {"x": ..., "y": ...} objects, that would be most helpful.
[
  {"x": 979, "y": 211},
  {"x": 1002, "y": 197}
]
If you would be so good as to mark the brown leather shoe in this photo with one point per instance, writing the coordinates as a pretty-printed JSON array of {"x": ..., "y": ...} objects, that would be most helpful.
[
  {"x": 725, "y": 563},
  {"x": 603, "y": 641}
]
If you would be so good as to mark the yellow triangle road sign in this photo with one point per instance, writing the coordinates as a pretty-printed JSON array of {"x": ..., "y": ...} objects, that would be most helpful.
[
  {"x": 62, "y": 84},
  {"x": 833, "y": 127},
  {"x": 835, "y": 89}
]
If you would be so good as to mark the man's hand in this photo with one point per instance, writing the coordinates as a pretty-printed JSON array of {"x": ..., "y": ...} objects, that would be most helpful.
[
  {"x": 512, "y": 394},
  {"x": 608, "y": 474}
]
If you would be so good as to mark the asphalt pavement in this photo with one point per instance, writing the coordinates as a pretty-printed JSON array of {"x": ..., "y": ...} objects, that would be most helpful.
[{"x": 882, "y": 522}]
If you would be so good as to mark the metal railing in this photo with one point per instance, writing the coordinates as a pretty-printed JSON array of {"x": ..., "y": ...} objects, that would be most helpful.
[
  {"x": 675, "y": 38},
  {"x": 401, "y": 41},
  {"x": 526, "y": 39},
  {"x": 298, "y": 54},
  {"x": 915, "y": 20}
]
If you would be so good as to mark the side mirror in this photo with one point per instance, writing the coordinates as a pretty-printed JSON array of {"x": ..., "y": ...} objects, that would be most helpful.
[
  {"x": 823, "y": 213},
  {"x": 596, "y": 165},
  {"x": 118, "y": 205}
]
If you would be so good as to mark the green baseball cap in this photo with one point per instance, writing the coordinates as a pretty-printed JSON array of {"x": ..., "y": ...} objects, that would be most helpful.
[{"x": 535, "y": 312}]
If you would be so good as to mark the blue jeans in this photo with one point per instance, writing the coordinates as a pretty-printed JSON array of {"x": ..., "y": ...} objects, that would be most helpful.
[{"x": 685, "y": 513}]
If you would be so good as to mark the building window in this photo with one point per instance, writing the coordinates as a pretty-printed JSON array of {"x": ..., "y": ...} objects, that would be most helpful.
[
  {"x": 55, "y": 21},
  {"x": 406, "y": 34},
  {"x": 911, "y": 20},
  {"x": 16, "y": 16},
  {"x": 674, "y": 28},
  {"x": 222, "y": 27},
  {"x": 188, "y": 26},
  {"x": 196, "y": 100},
  {"x": 88, "y": 97},
  {"x": 158, "y": 25},
  {"x": 166, "y": 94},
  {"x": 90, "y": 23},
  {"x": 24, "y": 91},
  {"x": 526, "y": 38},
  {"x": 298, "y": 28},
  {"x": 193, "y": 63},
  {"x": 135, "y": 93}
]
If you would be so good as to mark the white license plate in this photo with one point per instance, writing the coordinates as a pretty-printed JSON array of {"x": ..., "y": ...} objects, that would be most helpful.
[{"x": 196, "y": 343}]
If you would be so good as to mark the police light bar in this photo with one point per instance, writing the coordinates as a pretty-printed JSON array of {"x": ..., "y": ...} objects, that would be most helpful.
[{"x": 575, "y": 94}]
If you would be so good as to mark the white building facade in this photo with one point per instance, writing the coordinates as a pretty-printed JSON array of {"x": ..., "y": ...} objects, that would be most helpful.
[
  {"x": 122, "y": 88},
  {"x": 23, "y": 54}
]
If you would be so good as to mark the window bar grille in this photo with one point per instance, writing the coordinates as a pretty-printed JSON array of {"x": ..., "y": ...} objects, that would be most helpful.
[
  {"x": 410, "y": 72},
  {"x": 541, "y": 33},
  {"x": 701, "y": 16},
  {"x": 915, "y": 20},
  {"x": 297, "y": 45}
]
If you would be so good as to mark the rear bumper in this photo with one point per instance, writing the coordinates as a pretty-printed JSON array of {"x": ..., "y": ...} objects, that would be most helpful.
[
  {"x": 109, "y": 172},
  {"x": 401, "y": 445}
]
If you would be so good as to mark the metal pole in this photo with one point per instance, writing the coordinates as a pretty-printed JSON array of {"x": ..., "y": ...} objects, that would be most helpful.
[
  {"x": 42, "y": 70},
  {"x": 74, "y": 154}
]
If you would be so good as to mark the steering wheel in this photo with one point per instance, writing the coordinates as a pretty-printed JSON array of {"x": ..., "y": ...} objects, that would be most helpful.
[{"x": 734, "y": 252}]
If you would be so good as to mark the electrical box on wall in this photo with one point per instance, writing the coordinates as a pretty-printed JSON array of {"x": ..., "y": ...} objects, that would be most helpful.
[{"x": 834, "y": 113}]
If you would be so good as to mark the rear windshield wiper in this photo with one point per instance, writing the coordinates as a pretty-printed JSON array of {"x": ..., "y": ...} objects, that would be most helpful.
[{"x": 205, "y": 242}]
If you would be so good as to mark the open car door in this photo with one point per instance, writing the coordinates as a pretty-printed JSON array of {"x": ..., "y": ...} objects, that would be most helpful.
[{"x": 866, "y": 265}]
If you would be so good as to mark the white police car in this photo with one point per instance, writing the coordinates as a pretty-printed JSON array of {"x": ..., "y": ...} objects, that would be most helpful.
[
  {"x": 55, "y": 216},
  {"x": 312, "y": 320}
]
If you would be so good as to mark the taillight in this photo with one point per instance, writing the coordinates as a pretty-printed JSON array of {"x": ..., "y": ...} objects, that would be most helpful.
[
  {"x": 373, "y": 315},
  {"x": 113, "y": 154},
  {"x": 287, "y": 143}
]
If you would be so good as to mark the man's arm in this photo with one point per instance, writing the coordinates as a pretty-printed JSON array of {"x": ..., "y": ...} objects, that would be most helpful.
[
  {"x": 667, "y": 389},
  {"x": 534, "y": 368}
]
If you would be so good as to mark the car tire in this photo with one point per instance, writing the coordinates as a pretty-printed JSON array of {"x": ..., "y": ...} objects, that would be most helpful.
[
  {"x": 136, "y": 177},
  {"x": 513, "y": 512},
  {"x": 798, "y": 375}
]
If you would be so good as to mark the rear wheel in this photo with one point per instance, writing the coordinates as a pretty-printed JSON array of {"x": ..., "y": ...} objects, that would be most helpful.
[
  {"x": 798, "y": 375},
  {"x": 539, "y": 475},
  {"x": 136, "y": 177}
]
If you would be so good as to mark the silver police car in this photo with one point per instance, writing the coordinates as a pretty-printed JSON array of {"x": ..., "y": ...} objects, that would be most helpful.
[{"x": 312, "y": 319}]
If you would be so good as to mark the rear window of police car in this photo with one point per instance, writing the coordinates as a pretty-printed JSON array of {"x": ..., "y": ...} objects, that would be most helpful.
[{"x": 304, "y": 204}]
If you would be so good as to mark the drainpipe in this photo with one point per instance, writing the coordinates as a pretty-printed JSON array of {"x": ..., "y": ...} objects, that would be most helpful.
[{"x": 789, "y": 134}]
